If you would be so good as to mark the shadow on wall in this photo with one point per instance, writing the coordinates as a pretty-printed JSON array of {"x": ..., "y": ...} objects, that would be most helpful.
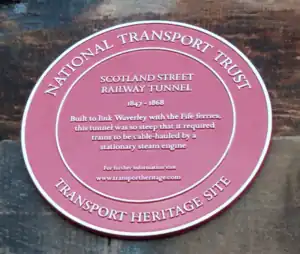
[
  {"x": 8, "y": 2},
  {"x": 41, "y": 14},
  {"x": 30, "y": 42},
  {"x": 288, "y": 240}
]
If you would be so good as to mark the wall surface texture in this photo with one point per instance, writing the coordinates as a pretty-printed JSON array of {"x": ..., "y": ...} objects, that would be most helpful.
[
  {"x": 266, "y": 217},
  {"x": 265, "y": 220}
]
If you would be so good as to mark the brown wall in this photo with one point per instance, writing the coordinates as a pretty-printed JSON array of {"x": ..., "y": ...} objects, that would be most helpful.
[
  {"x": 266, "y": 31},
  {"x": 264, "y": 220}
]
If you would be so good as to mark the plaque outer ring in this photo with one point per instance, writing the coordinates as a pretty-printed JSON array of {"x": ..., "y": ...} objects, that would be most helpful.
[{"x": 174, "y": 229}]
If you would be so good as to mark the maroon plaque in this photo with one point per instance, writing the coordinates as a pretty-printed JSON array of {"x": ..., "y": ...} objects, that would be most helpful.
[{"x": 146, "y": 128}]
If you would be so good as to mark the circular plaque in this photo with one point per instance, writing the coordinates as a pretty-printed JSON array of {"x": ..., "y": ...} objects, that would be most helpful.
[{"x": 146, "y": 128}]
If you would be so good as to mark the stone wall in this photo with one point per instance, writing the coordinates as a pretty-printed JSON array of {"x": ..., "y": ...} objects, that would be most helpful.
[
  {"x": 264, "y": 220},
  {"x": 32, "y": 40}
]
